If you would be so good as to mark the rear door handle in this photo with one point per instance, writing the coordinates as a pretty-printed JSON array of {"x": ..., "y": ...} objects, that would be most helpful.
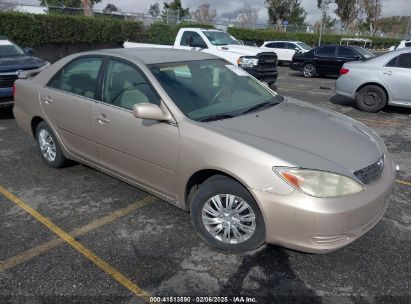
[
  {"x": 48, "y": 100},
  {"x": 102, "y": 119}
]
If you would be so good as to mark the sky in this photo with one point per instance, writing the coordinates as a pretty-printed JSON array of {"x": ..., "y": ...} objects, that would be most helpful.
[{"x": 230, "y": 8}]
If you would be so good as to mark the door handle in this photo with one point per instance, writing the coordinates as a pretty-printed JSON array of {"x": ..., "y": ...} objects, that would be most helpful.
[
  {"x": 102, "y": 119},
  {"x": 48, "y": 100},
  {"x": 387, "y": 73}
]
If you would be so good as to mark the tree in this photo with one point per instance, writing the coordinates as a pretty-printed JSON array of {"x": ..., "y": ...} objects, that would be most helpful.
[
  {"x": 372, "y": 10},
  {"x": 204, "y": 14},
  {"x": 176, "y": 6},
  {"x": 248, "y": 16},
  {"x": 110, "y": 8},
  {"x": 86, "y": 5},
  {"x": 347, "y": 11},
  {"x": 154, "y": 10},
  {"x": 281, "y": 10}
]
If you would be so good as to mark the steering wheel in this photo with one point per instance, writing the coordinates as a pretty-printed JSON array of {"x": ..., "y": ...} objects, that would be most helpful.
[{"x": 214, "y": 100}]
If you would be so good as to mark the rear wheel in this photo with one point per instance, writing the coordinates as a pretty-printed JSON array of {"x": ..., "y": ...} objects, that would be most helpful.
[
  {"x": 309, "y": 70},
  {"x": 227, "y": 216},
  {"x": 371, "y": 98},
  {"x": 49, "y": 147}
]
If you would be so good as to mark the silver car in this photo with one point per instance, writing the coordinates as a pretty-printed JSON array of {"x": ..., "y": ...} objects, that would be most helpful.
[
  {"x": 379, "y": 81},
  {"x": 249, "y": 165}
]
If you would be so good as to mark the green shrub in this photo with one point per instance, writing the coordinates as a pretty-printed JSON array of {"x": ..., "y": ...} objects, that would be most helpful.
[
  {"x": 161, "y": 33},
  {"x": 32, "y": 29},
  {"x": 259, "y": 36}
]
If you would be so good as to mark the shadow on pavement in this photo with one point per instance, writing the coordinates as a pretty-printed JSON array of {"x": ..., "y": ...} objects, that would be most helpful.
[
  {"x": 268, "y": 276},
  {"x": 6, "y": 113}
]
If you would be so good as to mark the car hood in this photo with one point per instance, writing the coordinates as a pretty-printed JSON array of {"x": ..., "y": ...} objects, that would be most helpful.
[
  {"x": 301, "y": 135},
  {"x": 241, "y": 49},
  {"x": 15, "y": 63}
]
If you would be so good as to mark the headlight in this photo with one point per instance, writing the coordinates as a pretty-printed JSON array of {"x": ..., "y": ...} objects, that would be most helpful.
[
  {"x": 319, "y": 183},
  {"x": 247, "y": 62}
]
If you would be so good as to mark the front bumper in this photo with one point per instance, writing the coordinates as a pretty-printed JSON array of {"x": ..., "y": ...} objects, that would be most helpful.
[
  {"x": 6, "y": 97},
  {"x": 296, "y": 66},
  {"x": 269, "y": 76},
  {"x": 318, "y": 225}
]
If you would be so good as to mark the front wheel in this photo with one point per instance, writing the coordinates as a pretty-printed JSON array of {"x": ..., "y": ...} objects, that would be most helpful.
[
  {"x": 227, "y": 216},
  {"x": 309, "y": 70},
  {"x": 371, "y": 98}
]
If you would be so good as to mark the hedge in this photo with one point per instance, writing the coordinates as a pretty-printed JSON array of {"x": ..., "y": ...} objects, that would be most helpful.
[
  {"x": 161, "y": 33},
  {"x": 261, "y": 35},
  {"x": 34, "y": 29}
]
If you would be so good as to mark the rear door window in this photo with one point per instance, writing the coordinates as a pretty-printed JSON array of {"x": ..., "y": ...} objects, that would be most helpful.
[
  {"x": 326, "y": 51},
  {"x": 346, "y": 52},
  {"x": 408, "y": 44},
  {"x": 401, "y": 61},
  {"x": 78, "y": 77}
]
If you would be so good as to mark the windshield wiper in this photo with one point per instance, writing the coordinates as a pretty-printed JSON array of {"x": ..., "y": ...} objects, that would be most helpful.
[
  {"x": 217, "y": 117},
  {"x": 260, "y": 106}
]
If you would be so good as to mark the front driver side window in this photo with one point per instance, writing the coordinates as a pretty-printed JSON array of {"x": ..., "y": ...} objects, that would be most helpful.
[
  {"x": 125, "y": 86},
  {"x": 78, "y": 77}
]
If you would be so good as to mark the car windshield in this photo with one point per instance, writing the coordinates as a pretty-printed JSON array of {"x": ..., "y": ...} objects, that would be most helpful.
[
  {"x": 304, "y": 46},
  {"x": 363, "y": 52},
  {"x": 220, "y": 38},
  {"x": 207, "y": 90},
  {"x": 8, "y": 49}
]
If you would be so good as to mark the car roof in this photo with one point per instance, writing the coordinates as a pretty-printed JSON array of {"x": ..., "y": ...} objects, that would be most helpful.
[
  {"x": 291, "y": 41},
  {"x": 154, "y": 55}
]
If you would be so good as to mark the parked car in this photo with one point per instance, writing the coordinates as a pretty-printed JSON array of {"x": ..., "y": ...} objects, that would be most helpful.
[
  {"x": 285, "y": 50},
  {"x": 375, "y": 83},
  {"x": 13, "y": 60},
  {"x": 262, "y": 65},
  {"x": 327, "y": 59},
  {"x": 403, "y": 44},
  {"x": 250, "y": 166}
]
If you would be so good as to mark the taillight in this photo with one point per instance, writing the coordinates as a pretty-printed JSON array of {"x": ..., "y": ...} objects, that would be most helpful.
[
  {"x": 344, "y": 71},
  {"x": 14, "y": 89}
]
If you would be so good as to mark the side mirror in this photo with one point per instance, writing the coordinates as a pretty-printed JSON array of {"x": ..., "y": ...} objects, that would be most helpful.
[
  {"x": 150, "y": 111},
  {"x": 28, "y": 51},
  {"x": 196, "y": 44}
]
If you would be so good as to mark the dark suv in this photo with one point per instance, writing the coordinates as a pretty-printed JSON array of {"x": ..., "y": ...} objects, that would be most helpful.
[
  {"x": 13, "y": 60},
  {"x": 327, "y": 59}
]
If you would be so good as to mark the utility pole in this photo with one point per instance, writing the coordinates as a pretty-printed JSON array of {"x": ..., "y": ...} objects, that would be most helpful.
[{"x": 321, "y": 30}]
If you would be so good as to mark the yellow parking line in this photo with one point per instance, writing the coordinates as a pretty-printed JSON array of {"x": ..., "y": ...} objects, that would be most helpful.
[
  {"x": 40, "y": 249},
  {"x": 403, "y": 182},
  {"x": 115, "y": 274}
]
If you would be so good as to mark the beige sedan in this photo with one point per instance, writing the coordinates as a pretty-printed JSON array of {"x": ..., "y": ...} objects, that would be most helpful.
[{"x": 250, "y": 166}]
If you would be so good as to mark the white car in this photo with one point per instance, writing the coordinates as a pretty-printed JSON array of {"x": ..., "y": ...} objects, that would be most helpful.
[
  {"x": 379, "y": 81},
  {"x": 285, "y": 50},
  {"x": 403, "y": 44}
]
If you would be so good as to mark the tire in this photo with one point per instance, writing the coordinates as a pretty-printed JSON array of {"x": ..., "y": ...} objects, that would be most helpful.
[
  {"x": 371, "y": 98},
  {"x": 49, "y": 147},
  {"x": 224, "y": 223},
  {"x": 309, "y": 70}
]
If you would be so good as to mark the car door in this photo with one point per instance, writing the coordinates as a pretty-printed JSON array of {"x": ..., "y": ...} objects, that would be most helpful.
[
  {"x": 290, "y": 51},
  {"x": 396, "y": 74},
  {"x": 68, "y": 102},
  {"x": 345, "y": 54},
  {"x": 144, "y": 151},
  {"x": 326, "y": 60},
  {"x": 280, "y": 50}
]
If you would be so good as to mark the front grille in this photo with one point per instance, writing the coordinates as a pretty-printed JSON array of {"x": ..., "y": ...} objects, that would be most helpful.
[
  {"x": 6, "y": 81},
  {"x": 267, "y": 62},
  {"x": 371, "y": 173}
]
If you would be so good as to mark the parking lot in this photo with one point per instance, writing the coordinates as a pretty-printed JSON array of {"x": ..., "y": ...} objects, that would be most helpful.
[{"x": 78, "y": 235}]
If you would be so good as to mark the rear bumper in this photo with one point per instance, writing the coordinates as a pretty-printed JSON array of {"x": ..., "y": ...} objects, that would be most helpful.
[
  {"x": 346, "y": 86},
  {"x": 6, "y": 97},
  {"x": 320, "y": 225}
]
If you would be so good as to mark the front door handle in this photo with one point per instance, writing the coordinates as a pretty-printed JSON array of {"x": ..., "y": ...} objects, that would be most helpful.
[
  {"x": 387, "y": 73},
  {"x": 48, "y": 100},
  {"x": 102, "y": 119}
]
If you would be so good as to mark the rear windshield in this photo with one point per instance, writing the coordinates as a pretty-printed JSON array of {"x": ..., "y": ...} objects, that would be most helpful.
[{"x": 8, "y": 49}]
